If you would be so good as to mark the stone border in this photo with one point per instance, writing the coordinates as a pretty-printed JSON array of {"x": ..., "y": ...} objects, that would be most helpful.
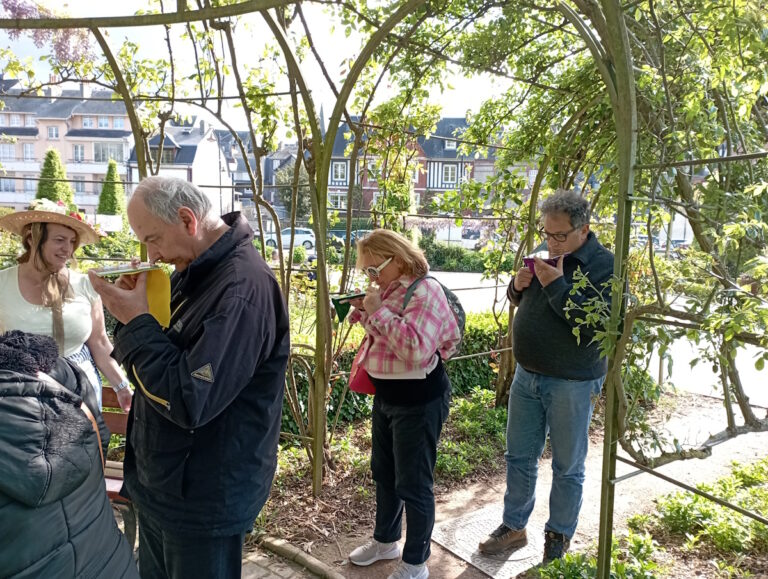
[{"x": 292, "y": 553}]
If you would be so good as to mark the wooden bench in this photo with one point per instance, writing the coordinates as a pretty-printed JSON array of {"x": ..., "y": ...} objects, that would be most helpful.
[{"x": 117, "y": 421}]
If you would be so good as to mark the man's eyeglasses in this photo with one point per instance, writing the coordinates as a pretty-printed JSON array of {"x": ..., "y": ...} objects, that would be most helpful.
[
  {"x": 561, "y": 237},
  {"x": 373, "y": 272}
]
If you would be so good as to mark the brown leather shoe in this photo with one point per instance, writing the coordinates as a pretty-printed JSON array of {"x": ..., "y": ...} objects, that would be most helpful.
[{"x": 502, "y": 539}]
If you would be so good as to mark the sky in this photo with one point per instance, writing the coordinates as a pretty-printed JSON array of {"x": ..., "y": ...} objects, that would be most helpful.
[{"x": 335, "y": 48}]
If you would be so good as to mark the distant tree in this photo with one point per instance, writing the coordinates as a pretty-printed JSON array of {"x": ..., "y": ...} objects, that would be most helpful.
[
  {"x": 112, "y": 197},
  {"x": 9, "y": 244},
  {"x": 53, "y": 184},
  {"x": 284, "y": 180}
]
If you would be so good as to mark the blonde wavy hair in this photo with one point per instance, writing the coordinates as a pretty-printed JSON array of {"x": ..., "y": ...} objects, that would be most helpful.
[
  {"x": 56, "y": 288},
  {"x": 383, "y": 244}
]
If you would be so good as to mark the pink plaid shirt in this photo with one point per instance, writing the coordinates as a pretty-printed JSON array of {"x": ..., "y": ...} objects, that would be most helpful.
[{"x": 404, "y": 341}]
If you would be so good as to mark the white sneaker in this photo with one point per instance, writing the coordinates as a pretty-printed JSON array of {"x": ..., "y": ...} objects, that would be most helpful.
[
  {"x": 408, "y": 571},
  {"x": 374, "y": 551}
]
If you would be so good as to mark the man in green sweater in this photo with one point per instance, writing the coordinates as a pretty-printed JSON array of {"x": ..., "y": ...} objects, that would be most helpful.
[{"x": 557, "y": 379}]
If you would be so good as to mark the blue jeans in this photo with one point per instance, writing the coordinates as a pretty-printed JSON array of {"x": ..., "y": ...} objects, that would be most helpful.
[
  {"x": 403, "y": 456},
  {"x": 164, "y": 554},
  {"x": 538, "y": 405}
]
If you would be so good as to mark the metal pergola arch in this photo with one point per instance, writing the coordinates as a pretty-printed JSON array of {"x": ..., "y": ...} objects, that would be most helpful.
[{"x": 605, "y": 35}]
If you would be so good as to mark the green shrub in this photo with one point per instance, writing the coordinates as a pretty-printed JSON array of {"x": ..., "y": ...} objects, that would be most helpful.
[
  {"x": 480, "y": 335},
  {"x": 632, "y": 557},
  {"x": 450, "y": 257},
  {"x": 475, "y": 436},
  {"x": 9, "y": 244},
  {"x": 299, "y": 254},
  {"x": 447, "y": 257},
  {"x": 703, "y": 521}
]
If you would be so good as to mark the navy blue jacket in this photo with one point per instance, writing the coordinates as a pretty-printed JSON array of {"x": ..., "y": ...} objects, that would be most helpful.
[
  {"x": 543, "y": 339},
  {"x": 204, "y": 426}
]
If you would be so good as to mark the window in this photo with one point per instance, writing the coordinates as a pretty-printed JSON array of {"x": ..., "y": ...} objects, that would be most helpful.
[
  {"x": 339, "y": 171},
  {"x": 450, "y": 145},
  {"x": 372, "y": 171},
  {"x": 169, "y": 155},
  {"x": 2, "y": 120},
  {"x": 416, "y": 200},
  {"x": 53, "y": 132},
  {"x": 337, "y": 199},
  {"x": 532, "y": 176},
  {"x": 103, "y": 122},
  {"x": 15, "y": 120},
  {"x": 7, "y": 151},
  {"x": 29, "y": 151},
  {"x": 103, "y": 152},
  {"x": 30, "y": 121},
  {"x": 30, "y": 183},
  {"x": 415, "y": 174},
  {"x": 449, "y": 173},
  {"x": 88, "y": 122},
  {"x": 78, "y": 153},
  {"x": 118, "y": 123},
  {"x": 8, "y": 185},
  {"x": 79, "y": 184}
]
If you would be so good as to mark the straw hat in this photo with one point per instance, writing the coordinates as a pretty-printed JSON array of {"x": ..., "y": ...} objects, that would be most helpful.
[{"x": 45, "y": 211}]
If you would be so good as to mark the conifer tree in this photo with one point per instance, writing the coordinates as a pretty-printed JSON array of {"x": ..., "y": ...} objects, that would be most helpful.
[
  {"x": 112, "y": 197},
  {"x": 53, "y": 184}
]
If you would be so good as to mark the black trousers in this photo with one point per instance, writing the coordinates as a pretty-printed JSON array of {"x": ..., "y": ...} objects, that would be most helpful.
[
  {"x": 404, "y": 440},
  {"x": 167, "y": 555}
]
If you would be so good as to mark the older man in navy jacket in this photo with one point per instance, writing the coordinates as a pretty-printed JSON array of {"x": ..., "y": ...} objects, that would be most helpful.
[{"x": 203, "y": 430}]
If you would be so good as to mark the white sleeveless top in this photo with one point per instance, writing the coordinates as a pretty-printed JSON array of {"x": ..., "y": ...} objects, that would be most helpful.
[{"x": 16, "y": 313}]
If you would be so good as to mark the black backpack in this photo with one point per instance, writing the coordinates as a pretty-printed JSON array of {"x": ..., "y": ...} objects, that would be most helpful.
[{"x": 453, "y": 303}]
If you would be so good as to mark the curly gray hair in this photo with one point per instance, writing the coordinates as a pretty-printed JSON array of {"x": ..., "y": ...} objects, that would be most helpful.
[
  {"x": 164, "y": 196},
  {"x": 571, "y": 203}
]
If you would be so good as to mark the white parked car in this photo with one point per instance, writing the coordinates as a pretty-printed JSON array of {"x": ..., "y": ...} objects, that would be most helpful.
[{"x": 303, "y": 236}]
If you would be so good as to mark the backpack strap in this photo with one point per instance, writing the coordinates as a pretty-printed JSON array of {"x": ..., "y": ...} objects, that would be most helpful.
[{"x": 412, "y": 288}]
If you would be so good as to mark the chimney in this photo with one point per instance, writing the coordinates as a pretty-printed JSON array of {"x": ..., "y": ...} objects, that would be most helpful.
[
  {"x": 85, "y": 90},
  {"x": 202, "y": 127},
  {"x": 53, "y": 90}
]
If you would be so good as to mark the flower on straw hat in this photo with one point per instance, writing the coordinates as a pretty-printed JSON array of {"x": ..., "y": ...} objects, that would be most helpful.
[{"x": 47, "y": 211}]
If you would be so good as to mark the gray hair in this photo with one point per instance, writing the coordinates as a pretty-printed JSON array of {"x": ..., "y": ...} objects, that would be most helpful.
[
  {"x": 164, "y": 196},
  {"x": 570, "y": 203}
]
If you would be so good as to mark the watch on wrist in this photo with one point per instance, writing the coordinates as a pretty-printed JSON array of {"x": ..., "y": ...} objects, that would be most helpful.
[{"x": 122, "y": 386}]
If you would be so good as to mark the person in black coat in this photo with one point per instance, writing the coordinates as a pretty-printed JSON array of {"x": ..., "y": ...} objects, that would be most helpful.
[
  {"x": 204, "y": 426},
  {"x": 55, "y": 516}
]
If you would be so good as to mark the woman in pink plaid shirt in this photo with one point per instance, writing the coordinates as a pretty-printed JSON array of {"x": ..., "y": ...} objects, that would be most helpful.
[{"x": 404, "y": 349}]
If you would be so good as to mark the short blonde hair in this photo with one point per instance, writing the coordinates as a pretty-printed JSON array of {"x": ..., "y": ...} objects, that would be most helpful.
[{"x": 384, "y": 244}]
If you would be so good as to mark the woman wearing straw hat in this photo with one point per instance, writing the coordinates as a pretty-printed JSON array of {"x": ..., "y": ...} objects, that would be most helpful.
[{"x": 43, "y": 296}]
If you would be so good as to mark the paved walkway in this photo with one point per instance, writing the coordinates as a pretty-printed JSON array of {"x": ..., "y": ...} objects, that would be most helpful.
[{"x": 261, "y": 564}]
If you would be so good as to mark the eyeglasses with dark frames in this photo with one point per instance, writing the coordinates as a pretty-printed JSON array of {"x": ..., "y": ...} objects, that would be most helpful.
[
  {"x": 561, "y": 237},
  {"x": 373, "y": 271}
]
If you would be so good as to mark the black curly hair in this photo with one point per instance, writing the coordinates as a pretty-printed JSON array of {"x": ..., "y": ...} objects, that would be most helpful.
[{"x": 27, "y": 353}]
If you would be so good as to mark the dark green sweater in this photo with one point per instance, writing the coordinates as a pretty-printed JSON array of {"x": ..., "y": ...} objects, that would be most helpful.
[{"x": 543, "y": 337}]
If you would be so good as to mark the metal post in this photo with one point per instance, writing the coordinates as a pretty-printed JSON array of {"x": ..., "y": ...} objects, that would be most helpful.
[{"x": 625, "y": 114}]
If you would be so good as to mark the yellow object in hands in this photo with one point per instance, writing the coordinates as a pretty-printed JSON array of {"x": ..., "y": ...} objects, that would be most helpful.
[{"x": 159, "y": 296}]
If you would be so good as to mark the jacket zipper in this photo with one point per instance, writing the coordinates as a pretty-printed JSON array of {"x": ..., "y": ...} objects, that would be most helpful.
[
  {"x": 148, "y": 394},
  {"x": 174, "y": 312}
]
